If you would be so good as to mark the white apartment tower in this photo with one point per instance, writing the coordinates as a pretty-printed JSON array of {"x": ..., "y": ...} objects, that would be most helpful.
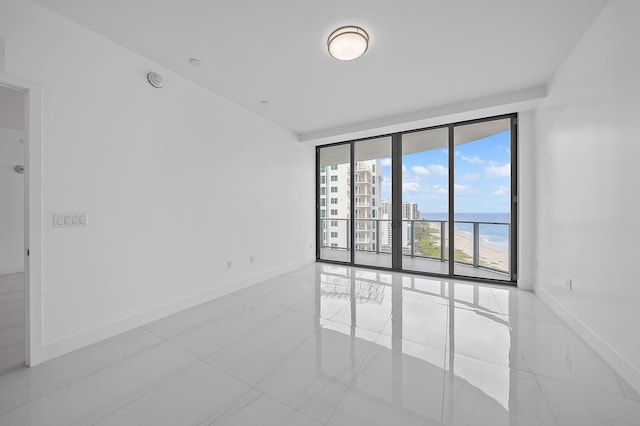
[{"x": 335, "y": 205}]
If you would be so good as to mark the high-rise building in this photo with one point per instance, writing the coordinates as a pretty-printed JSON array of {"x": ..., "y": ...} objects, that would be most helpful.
[
  {"x": 409, "y": 212},
  {"x": 368, "y": 181},
  {"x": 335, "y": 205}
]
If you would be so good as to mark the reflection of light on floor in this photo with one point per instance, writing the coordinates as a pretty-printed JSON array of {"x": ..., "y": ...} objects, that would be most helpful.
[
  {"x": 336, "y": 287},
  {"x": 502, "y": 296},
  {"x": 332, "y": 287},
  {"x": 492, "y": 380},
  {"x": 369, "y": 292},
  {"x": 355, "y": 332},
  {"x": 483, "y": 333}
]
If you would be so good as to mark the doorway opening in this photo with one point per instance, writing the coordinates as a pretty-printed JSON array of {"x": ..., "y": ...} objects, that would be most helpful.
[
  {"x": 13, "y": 317},
  {"x": 21, "y": 112}
]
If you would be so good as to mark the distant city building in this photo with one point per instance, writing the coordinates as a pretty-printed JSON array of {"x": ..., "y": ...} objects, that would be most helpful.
[{"x": 409, "y": 212}]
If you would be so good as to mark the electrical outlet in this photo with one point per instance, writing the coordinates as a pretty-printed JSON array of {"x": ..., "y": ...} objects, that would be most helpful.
[
  {"x": 251, "y": 259},
  {"x": 569, "y": 283},
  {"x": 228, "y": 264}
]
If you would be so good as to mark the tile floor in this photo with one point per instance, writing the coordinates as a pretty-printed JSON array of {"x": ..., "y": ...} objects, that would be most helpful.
[{"x": 329, "y": 345}]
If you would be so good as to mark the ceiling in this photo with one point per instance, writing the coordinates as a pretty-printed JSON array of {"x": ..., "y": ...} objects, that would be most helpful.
[{"x": 423, "y": 53}]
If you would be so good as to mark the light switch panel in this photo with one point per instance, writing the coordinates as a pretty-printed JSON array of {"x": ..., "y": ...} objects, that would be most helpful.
[{"x": 70, "y": 220}]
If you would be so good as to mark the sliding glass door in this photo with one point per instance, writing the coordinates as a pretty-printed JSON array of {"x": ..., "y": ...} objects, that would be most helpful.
[
  {"x": 435, "y": 201},
  {"x": 425, "y": 201},
  {"x": 482, "y": 199},
  {"x": 372, "y": 202},
  {"x": 334, "y": 203}
]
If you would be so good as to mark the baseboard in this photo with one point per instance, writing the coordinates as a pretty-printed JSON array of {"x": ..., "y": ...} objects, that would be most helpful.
[
  {"x": 56, "y": 349},
  {"x": 619, "y": 363},
  {"x": 525, "y": 284}
]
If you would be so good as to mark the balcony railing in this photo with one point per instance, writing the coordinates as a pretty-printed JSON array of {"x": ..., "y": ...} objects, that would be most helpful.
[{"x": 429, "y": 239}]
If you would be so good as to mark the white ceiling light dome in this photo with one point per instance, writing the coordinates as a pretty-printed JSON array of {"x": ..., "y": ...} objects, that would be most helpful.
[
  {"x": 348, "y": 43},
  {"x": 155, "y": 80}
]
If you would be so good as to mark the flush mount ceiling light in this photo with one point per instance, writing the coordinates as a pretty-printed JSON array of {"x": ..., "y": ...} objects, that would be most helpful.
[
  {"x": 348, "y": 43},
  {"x": 155, "y": 80}
]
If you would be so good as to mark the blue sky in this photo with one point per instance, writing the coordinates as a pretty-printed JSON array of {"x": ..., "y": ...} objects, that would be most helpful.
[{"x": 482, "y": 177}]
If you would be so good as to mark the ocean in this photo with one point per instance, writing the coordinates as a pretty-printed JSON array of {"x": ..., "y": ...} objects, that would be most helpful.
[{"x": 496, "y": 234}]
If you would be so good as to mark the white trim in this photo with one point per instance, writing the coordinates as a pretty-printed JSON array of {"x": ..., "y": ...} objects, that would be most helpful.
[
  {"x": 618, "y": 362},
  {"x": 65, "y": 346},
  {"x": 33, "y": 212}
]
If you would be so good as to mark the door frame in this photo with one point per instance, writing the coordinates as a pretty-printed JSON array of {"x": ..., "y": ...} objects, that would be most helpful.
[{"x": 32, "y": 211}]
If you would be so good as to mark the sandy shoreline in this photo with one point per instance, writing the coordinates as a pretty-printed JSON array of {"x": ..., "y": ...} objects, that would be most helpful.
[{"x": 492, "y": 255}]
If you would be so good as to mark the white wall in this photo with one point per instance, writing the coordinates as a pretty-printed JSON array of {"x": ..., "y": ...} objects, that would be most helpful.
[
  {"x": 588, "y": 145},
  {"x": 11, "y": 199},
  {"x": 175, "y": 182},
  {"x": 526, "y": 200}
]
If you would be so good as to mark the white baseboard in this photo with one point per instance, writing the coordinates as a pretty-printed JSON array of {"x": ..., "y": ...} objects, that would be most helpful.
[
  {"x": 56, "y": 349},
  {"x": 619, "y": 363},
  {"x": 525, "y": 284}
]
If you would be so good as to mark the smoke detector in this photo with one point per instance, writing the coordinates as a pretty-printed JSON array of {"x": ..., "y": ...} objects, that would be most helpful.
[{"x": 155, "y": 80}]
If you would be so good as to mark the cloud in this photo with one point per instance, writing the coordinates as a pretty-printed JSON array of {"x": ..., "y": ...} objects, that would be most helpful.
[
  {"x": 441, "y": 189},
  {"x": 473, "y": 160},
  {"x": 438, "y": 169},
  {"x": 496, "y": 170},
  {"x": 463, "y": 189},
  {"x": 411, "y": 187},
  {"x": 471, "y": 177},
  {"x": 501, "y": 190},
  {"x": 419, "y": 170},
  {"x": 385, "y": 162}
]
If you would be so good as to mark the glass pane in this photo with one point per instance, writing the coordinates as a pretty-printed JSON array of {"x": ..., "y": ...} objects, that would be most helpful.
[
  {"x": 482, "y": 194},
  {"x": 334, "y": 180},
  {"x": 372, "y": 202},
  {"x": 425, "y": 201}
]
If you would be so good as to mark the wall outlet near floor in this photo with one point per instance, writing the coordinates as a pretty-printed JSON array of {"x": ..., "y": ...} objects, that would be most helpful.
[
  {"x": 251, "y": 259},
  {"x": 228, "y": 264},
  {"x": 569, "y": 283}
]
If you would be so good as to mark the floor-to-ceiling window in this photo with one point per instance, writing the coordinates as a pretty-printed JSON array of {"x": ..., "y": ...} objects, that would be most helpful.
[
  {"x": 334, "y": 203},
  {"x": 482, "y": 198},
  {"x": 425, "y": 201},
  {"x": 438, "y": 201},
  {"x": 372, "y": 220}
]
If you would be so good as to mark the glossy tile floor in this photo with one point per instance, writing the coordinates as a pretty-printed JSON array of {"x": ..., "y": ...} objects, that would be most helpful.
[{"x": 327, "y": 345}]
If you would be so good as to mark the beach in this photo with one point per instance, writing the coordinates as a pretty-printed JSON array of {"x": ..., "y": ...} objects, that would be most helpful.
[{"x": 494, "y": 256}]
